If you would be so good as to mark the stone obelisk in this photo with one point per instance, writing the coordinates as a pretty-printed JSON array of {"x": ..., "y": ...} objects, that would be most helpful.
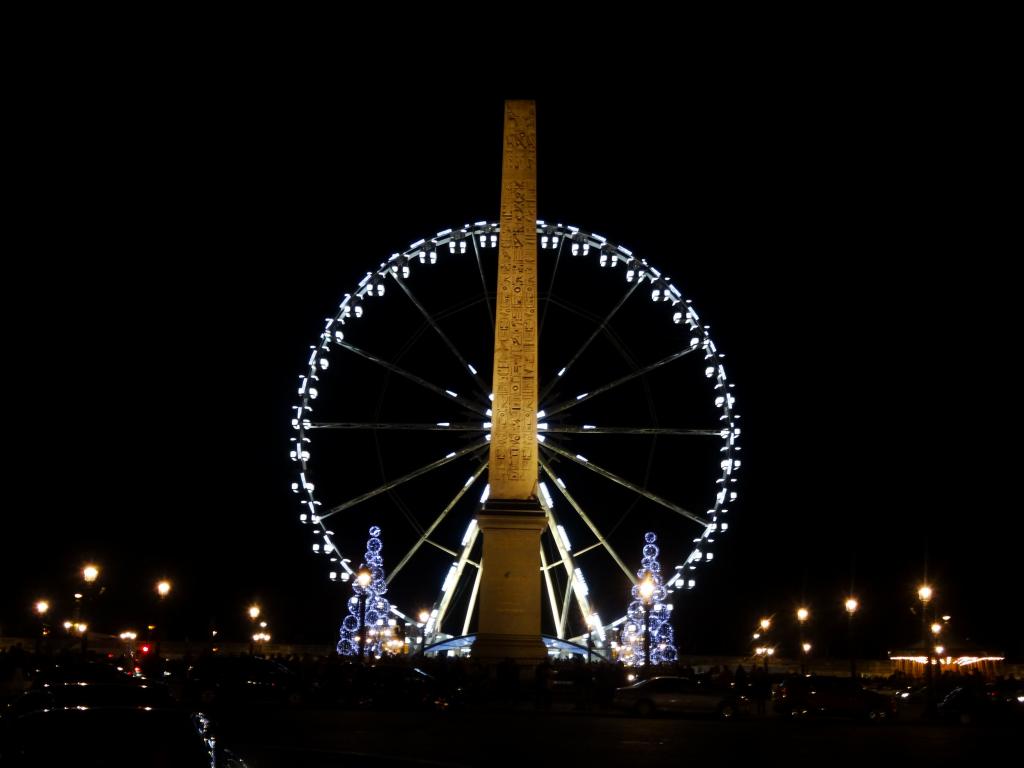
[{"x": 512, "y": 518}]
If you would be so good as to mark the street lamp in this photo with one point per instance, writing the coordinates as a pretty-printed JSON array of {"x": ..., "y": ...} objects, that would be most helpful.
[
  {"x": 41, "y": 606},
  {"x": 163, "y": 589},
  {"x": 924, "y": 594},
  {"x": 646, "y": 592},
  {"x": 90, "y": 573},
  {"x": 424, "y": 617},
  {"x": 802, "y": 614},
  {"x": 363, "y": 578},
  {"x": 851, "y": 608},
  {"x": 254, "y": 613}
]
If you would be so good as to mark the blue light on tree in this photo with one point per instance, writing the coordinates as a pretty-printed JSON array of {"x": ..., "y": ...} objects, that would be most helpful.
[
  {"x": 377, "y": 608},
  {"x": 651, "y": 610}
]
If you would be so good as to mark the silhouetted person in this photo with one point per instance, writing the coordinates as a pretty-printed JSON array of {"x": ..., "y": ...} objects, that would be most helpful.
[
  {"x": 508, "y": 681},
  {"x": 543, "y": 682},
  {"x": 741, "y": 678},
  {"x": 760, "y": 688}
]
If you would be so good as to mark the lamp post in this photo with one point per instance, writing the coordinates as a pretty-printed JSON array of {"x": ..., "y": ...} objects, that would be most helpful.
[
  {"x": 254, "y": 613},
  {"x": 41, "y": 607},
  {"x": 90, "y": 573},
  {"x": 765, "y": 624},
  {"x": 802, "y": 615},
  {"x": 363, "y": 578},
  {"x": 163, "y": 589},
  {"x": 424, "y": 617},
  {"x": 924, "y": 594},
  {"x": 646, "y": 592},
  {"x": 851, "y": 608}
]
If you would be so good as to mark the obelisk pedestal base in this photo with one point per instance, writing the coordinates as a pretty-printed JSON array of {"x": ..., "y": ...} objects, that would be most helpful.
[{"x": 510, "y": 593}]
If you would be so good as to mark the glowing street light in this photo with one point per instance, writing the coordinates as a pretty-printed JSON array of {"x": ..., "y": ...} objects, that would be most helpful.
[
  {"x": 163, "y": 588},
  {"x": 363, "y": 579},
  {"x": 90, "y": 573},
  {"x": 924, "y": 593},
  {"x": 806, "y": 647},
  {"x": 646, "y": 592},
  {"x": 802, "y": 614},
  {"x": 766, "y": 624},
  {"x": 424, "y": 617},
  {"x": 254, "y": 613},
  {"x": 936, "y": 628},
  {"x": 41, "y": 607},
  {"x": 851, "y": 605}
]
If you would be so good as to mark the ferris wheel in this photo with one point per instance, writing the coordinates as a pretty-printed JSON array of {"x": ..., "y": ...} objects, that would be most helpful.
[{"x": 637, "y": 429}]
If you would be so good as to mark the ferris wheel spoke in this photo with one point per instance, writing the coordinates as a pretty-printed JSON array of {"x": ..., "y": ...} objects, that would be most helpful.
[
  {"x": 597, "y": 331},
  {"x": 437, "y": 521},
  {"x": 566, "y": 405},
  {"x": 445, "y": 393},
  {"x": 589, "y": 429},
  {"x": 453, "y": 456},
  {"x": 484, "y": 389},
  {"x": 441, "y": 426},
  {"x": 483, "y": 281},
  {"x": 626, "y": 484},
  {"x": 586, "y": 519},
  {"x": 551, "y": 288}
]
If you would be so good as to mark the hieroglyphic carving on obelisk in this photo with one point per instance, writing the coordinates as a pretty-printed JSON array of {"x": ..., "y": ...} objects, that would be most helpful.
[
  {"x": 512, "y": 519},
  {"x": 512, "y": 468}
]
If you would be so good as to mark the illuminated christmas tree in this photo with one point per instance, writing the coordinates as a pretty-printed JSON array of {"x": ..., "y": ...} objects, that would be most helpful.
[
  {"x": 648, "y": 607},
  {"x": 368, "y": 589}
]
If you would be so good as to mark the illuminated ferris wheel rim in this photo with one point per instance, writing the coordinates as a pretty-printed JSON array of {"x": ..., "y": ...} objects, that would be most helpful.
[{"x": 582, "y": 244}]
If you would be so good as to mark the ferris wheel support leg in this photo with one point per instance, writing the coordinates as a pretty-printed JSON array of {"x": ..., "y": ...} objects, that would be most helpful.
[
  {"x": 453, "y": 579},
  {"x": 573, "y": 585},
  {"x": 472, "y": 598},
  {"x": 552, "y": 600}
]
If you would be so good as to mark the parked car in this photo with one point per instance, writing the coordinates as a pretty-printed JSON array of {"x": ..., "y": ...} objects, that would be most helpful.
[
  {"x": 113, "y": 736},
  {"x": 386, "y": 687},
  {"x": 77, "y": 671},
  {"x": 242, "y": 680},
  {"x": 75, "y": 695},
  {"x": 991, "y": 703},
  {"x": 831, "y": 697},
  {"x": 681, "y": 695}
]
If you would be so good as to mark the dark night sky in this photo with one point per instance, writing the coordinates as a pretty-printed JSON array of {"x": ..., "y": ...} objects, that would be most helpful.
[{"x": 174, "y": 250}]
